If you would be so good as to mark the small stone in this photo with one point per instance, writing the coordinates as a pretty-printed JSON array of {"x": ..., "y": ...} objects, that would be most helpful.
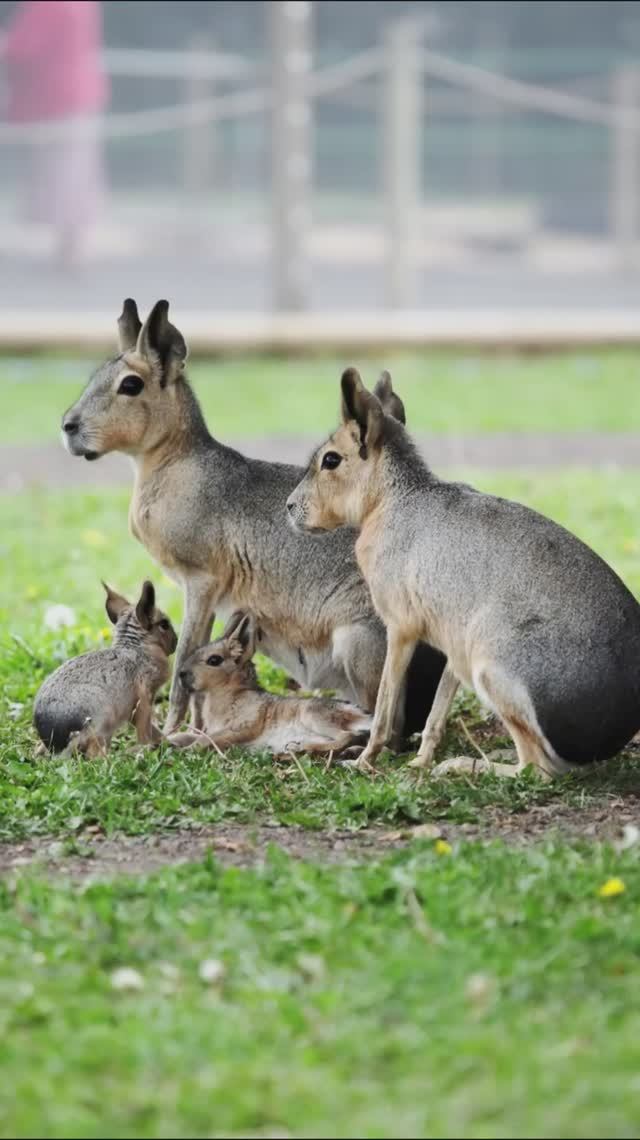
[{"x": 127, "y": 979}]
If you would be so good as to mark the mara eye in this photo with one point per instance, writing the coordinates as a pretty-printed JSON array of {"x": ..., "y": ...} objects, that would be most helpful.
[
  {"x": 215, "y": 659},
  {"x": 164, "y": 624},
  {"x": 130, "y": 386},
  {"x": 331, "y": 460}
]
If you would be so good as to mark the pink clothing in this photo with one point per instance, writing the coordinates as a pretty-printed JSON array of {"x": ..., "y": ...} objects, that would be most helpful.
[{"x": 53, "y": 56}]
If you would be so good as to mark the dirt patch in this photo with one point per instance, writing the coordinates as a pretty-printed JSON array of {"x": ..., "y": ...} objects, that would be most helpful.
[{"x": 98, "y": 857}]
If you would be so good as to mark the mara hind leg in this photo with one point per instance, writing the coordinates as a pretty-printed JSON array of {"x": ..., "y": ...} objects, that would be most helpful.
[
  {"x": 530, "y": 750},
  {"x": 320, "y": 746},
  {"x": 88, "y": 743},
  {"x": 359, "y": 650},
  {"x": 510, "y": 700}
]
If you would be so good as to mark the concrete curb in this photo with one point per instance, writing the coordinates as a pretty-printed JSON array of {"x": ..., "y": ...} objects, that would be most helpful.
[
  {"x": 49, "y": 465},
  {"x": 211, "y": 333}
]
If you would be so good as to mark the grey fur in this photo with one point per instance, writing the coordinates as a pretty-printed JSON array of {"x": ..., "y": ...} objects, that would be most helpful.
[
  {"x": 215, "y": 520},
  {"x": 526, "y": 613},
  {"x": 88, "y": 698}
]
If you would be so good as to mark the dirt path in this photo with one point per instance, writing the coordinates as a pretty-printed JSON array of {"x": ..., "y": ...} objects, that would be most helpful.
[
  {"x": 48, "y": 464},
  {"x": 238, "y": 845}
]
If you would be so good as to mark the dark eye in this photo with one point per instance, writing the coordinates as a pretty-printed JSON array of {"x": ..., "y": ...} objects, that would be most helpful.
[
  {"x": 331, "y": 460},
  {"x": 164, "y": 624},
  {"x": 214, "y": 660},
  {"x": 130, "y": 386}
]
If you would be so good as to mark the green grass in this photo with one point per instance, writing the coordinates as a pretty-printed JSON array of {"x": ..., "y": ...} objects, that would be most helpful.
[
  {"x": 484, "y": 992},
  {"x": 475, "y": 993},
  {"x": 55, "y": 549},
  {"x": 444, "y": 393}
]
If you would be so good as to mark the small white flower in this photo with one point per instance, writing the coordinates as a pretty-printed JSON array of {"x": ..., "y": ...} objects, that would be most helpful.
[
  {"x": 127, "y": 979},
  {"x": 59, "y": 617},
  {"x": 211, "y": 971}
]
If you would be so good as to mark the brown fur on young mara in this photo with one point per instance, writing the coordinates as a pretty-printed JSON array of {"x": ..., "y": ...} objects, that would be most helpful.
[
  {"x": 215, "y": 521},
  {"x": 87, "y": 699},
  {"x": 236, "y": 711},
  {"x": 526, "y": 614}
]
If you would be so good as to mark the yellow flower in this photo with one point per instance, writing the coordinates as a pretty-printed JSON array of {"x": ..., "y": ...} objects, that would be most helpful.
[
  {"x": 94, "y": 538},
  {"x": 32, "y": 592},
  {"x": 611, "y": 888},
  {"x": 441, "y": 847},
  {"x": 105, "y": 631}
]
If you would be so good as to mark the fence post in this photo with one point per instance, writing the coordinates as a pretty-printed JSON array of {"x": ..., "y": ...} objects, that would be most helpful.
[
  {"x": 401, "y": 158},
  {"x": 290, "y": 151},
  {"x": 199, "y": 132},
  {"x": 625, "y": 168}
]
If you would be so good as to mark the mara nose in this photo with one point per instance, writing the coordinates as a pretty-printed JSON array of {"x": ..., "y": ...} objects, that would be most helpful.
[
  {"x": 290, "y": 506},
  {"x": 71, "y": 426}
]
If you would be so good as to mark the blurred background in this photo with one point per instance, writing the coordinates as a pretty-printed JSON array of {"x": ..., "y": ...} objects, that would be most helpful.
[{"x": 457, "y": 156}]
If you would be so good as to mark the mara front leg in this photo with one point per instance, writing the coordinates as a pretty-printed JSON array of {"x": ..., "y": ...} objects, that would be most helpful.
[
  {"x": 199, "y": 615},
  {"x": 146, "y": 731},
  {"x": 399, "y": 653},
  {"x": 436, "y": 720}
]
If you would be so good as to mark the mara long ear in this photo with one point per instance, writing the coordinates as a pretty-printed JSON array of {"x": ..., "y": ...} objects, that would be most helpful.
[
  {"x": 115, "y": 604},
  {"x": 146, "y": 605},
  {"x": 391, "y": 403},
  {"x": 362, "y": 406},
  {"x": 243, "y": 640},
  {"x": 129, "y": 325},
  {"x": 162, "y": 345},
  {"x": 232, "y": 624}
]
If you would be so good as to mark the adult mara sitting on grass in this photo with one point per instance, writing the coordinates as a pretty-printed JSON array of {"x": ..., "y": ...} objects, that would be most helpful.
[
  {"x": 216, "y": 521},
  {"x": 526, "y": 614}
]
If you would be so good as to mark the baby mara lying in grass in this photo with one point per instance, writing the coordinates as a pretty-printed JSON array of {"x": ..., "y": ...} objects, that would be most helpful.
[
  {"x": 234, "y": 709},
  {"x": 82, "y": 704}
]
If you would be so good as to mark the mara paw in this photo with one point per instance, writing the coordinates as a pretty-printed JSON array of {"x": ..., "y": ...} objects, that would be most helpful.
[{"x": 462, "y": 766}]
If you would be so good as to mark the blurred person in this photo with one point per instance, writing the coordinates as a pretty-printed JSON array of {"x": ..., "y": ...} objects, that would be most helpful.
[{"x": 52, "y": 51}]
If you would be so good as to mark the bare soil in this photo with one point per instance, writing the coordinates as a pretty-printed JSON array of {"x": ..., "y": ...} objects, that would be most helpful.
[{"x": 98, "y": 857}]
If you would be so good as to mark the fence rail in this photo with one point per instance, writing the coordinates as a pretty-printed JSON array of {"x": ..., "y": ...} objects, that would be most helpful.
[{"x": 395, "y": 74}]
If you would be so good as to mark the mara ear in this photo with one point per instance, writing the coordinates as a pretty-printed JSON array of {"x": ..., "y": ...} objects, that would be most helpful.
[
  {"x": 146, "y": 605},
  {"x": 129, "y": 325},
  {"x": 243, "y": 642},
  {"x": 391, "y": 403},
  {"x": 232, "y": 624},
  {"x": 162, "y": 345},
  {"x": 362, "y": 406},
  {"x": 115, "y": 604}
]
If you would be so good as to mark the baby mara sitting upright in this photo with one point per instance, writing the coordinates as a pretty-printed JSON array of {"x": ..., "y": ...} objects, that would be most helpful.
[
  {"x": 82, "y": 704},
  {"x": 235, "y": 710}
]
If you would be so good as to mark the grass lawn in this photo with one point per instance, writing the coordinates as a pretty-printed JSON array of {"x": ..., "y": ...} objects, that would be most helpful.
[
  {"x": 472, "y": 993},
  {"x": 444, "y": 392},
  {"x": 446, "y": 989}
]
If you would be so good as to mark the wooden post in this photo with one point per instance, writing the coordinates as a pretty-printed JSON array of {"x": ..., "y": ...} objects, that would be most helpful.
[
  {"x": 199, "y": 132},
  {"x": 290, "y": 151},
  {"x": 625, "y": 169},
  {"x": 401, "y": 151}
]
